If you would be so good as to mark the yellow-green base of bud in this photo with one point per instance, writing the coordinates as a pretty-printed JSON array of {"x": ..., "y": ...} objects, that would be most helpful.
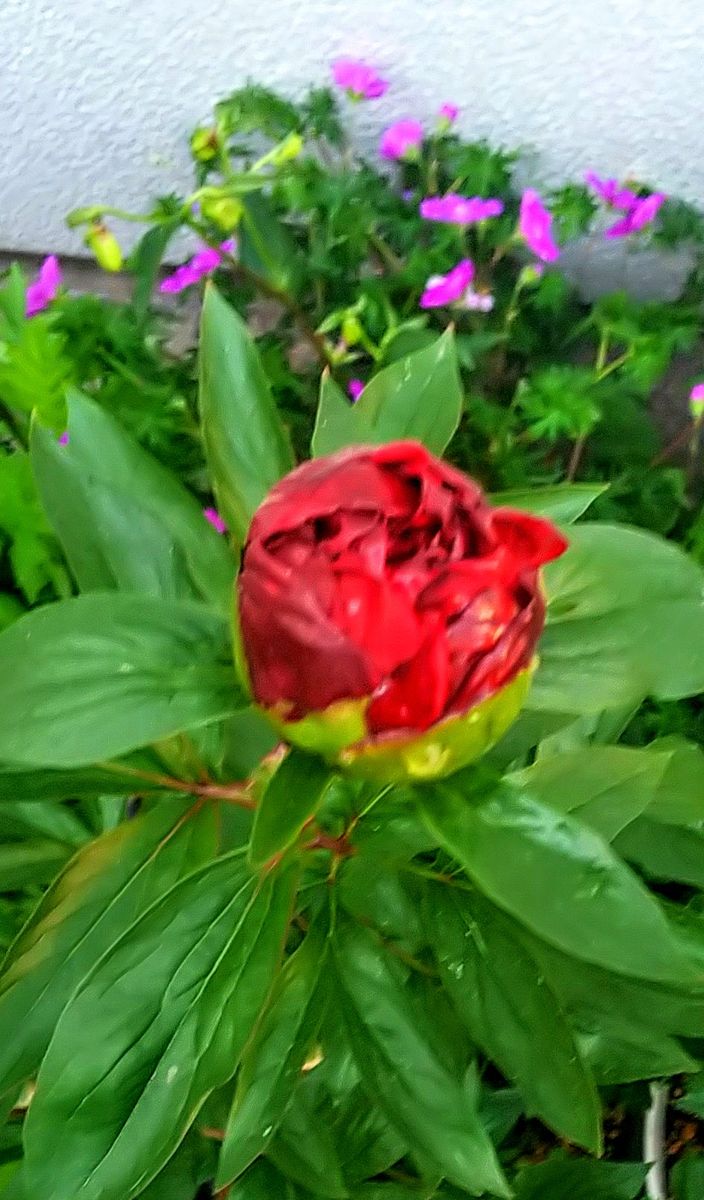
[{"x": 339, "y": 734}]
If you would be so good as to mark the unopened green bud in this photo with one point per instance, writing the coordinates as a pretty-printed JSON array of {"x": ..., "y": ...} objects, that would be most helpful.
[
  {"x": 105, "y": 247},
  {"x": 289, "y": 149},
  {"x": 205, "y": 144},
  {"x": 351, "y": 331},
  {"x": 224, "y": 211}
]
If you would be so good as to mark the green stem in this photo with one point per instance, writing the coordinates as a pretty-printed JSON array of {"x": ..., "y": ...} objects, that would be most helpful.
[
  {"x": 601, "y": 369},
  {"x": 7, "y": 415}
]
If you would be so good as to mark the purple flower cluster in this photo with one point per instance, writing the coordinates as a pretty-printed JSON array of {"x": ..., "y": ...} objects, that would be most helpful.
[
  {"x": 638, "y": 211},
  {"x": 360, "y": 81},
  {"x": 460, "y": 210}
]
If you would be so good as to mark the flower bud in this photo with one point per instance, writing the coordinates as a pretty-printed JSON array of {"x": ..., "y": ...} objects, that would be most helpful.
[
  {"x": 696, "y": 403},
  {"x": 351, "y": 330},
  {"x": 205, "y": 144},
  {"x": 224, "y": 211},
  {"x": 388, "y": 615},
  {"x": 287, "y": 150},
  {"x": 105, "y": 247}
]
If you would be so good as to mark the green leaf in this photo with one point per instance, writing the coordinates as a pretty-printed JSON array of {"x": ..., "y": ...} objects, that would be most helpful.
[
  {"x": 263, "y": 1182},
  {"x": 564, "y": 503},
  {"x": 665, "y": 852},
  {"x": 580, "y": 1179},
  {"x": 160, "y": 1022},
  {"x": 606, "y": 787},
  {"x": 418, "y": 397},
  {"x": 499, "y": 991},
  {"x": 20, "y": 784},
  {"x": 624, "y": 622},
  {"x": 145, "y": 261},
  {"x": 246, "y": 446},
  {"x": 97, "y": 676},
  {"x": 30, "y": 863},
  {"x": 303, "y": 1150},
  {"x": 124, "y": 521},
  {"x": 272, "y": 1062},
  {"x": 687, "y": 1178},
  {"x": 555, "y": 876},
  {"x": 402, "y": 1072},
  {"x": 34, "y": 370},
  {"x": 293, "y": 795},
  {"x": 34, "y": 555},
  {"x": 266, "y": 246},
  {"x": 102, "y": 890}
]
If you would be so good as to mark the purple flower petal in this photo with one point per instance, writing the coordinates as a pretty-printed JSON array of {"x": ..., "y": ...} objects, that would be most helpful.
[
  {"x": 401, "y": 139},
  {"x": 449, "y": 113},
  {"x": 43, "y": 290},
  {"x": 213, "y": 517},
  {"x": 696, "y": 402},
  {"x": 358, "y": 78},
  {"x": 446, "y": 289},
  {"x": 535, "y": 227},
  {"x": 204, "y": 262},
  {"x": 355, "y": 387},
  {"x": 64, "y": 438},
  {"x": 610, "y": 191},
  {"x": 460, "y": 210},
  {"x": 640, "y": 214}
]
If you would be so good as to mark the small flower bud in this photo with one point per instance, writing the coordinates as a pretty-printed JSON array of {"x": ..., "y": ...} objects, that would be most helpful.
[
  {"x": 105, "y": 247},
  {"x": 289, "y": 149},
  {"x": 224, "y": 211},
  {"x": 205, "y": 144},
  {"x": 696, "y": 402}
]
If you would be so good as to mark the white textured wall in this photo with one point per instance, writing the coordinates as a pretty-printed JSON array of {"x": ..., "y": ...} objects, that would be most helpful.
[{"x": 95, "y": 95}]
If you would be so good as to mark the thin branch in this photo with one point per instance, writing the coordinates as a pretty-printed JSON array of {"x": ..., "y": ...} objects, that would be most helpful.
[
  {"x": 679, "y": 440},
  {"x": 232, "y": 793},
  {"x": 287, "y": 301},
  {"x": 654, "y": 1142}
]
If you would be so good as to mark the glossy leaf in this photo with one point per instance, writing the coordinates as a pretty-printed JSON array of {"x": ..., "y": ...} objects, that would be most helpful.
[
  {"x": 292, "y": 796},
  {"x": 303, "y": 1150},
  {"x": 265, "y": 244},
  {"x": 665, "y": 852},
  {"x": 97, "y": 676},
  {"x": 117, "y": 779},
  {"x": 580, "y": 1179},
  {"x": 159, "y": 1023},
  {"x": 263, "y": 1182},
  {"x": 402, "y": 1072},
  {"x": 564, "y": 503},
  {"x": 606, "y": 787},
  {"x": 30, "y": 863},
  {"x": 246, "y": 446},
  {"x": 102, "y": 890},
  {"x": 124, "y": 521},
  {"x": 624, "y": 622},
  {"x": 418, "y": 397},
  {"x": 556, "y": 877},
  {"x": 687, "y": 1179},
  {"x": 273, "y": 1061},
  {"x": 499, "y": 990}
]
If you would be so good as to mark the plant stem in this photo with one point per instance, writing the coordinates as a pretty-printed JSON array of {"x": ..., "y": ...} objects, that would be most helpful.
[
  {"x": 679, "y": 440},
  {"x": 232, "y": 793},
  {"x": 601, "y": 370},
  {"x": 7, "y": 415},
  {"x": 654, "y": 1142},
  {"x": 287, "y": 301}
]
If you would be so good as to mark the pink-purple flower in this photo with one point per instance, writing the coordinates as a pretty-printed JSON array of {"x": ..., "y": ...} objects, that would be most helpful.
[
  {"x": 447, "y": 289},
  {"x": 213, "y": 517},
  {"x": 64, "y": 438},
  {"x": 401, "y": 140},
  {"x": 535, "y": 226},
  {"x": 696, "y": 401},
  {"x": 459, "y": 210},
  {"x": 610, "y": 190},
  {"x": 449, "y": 113},
  {"x": 203, "y": 263},
  {"x": 477, "y": 301},
  {"x": 355, "y": 387},
  {"x": 640, "y": 214},
  {"x": 43, "y": 289},
  {"x": 359, "y": 79}
]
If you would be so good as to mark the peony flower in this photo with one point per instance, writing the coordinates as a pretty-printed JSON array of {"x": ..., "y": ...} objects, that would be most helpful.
[
  {"x": 610, "y": 191},
  {"x": 360, "y": 81},
  {"x": 448, "y": 113},
  {"x": 459, "y": 210},
  {"x": 44, "y": 288},
  {"x": 446, "y": 289},
  {"x": 203, "y": 263},
  {"x": 535, "y": 226},
  {"x": 355, "y": 387},
  {"x": 402, "y": 140},
  {"x": 696, "y": 402},
  {"x": 389, "y": 616},
  {"x": 638, "y": 216},
  {"x": 213, "y": 518}
]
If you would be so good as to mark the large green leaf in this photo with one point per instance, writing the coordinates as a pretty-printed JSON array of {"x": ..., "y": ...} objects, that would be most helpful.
[
  {"x": 580, "y": 1179},
  {"x": 97, "y": 676},
  {"x": 687, "y": 1179},
  {"x": 303, "y": 1149},
  {"x": 418, "y": 397},
  {"x": 116, "y": 779},
  {"x": 246, "y": 447},
  {"x": 606, "y": 787},
  {"x": 159, "y": 1023},
  {"x": 665, "y": 852},
  {"x": 555, "y": 876},
  {"x": 103, "y": 889},
  {"x": 292, "y": 796},
  {"x": 265, "y": 244},
  {"x": 499, "y": 991},
  {"x": 402, "y": 1072},
  {"x": 565, "y": 502},
  {"x": 625, "y": 621},
  {"x": 272, "y": 1063},
  {"x": 124, "y": 521}
]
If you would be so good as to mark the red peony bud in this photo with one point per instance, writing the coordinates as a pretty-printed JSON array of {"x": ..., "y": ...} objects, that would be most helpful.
[{"x": 389, "y": 615}]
